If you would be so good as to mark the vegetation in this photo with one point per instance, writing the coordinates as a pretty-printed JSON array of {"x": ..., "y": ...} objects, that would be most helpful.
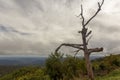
[
  {"x": 27, "y": 73},
  {"x": 107, "y": 64},
  {"x": 64, "y": 68},
  {"x": 113, "y": 75},
  {"x": 69, "y": 68},
  {"x": 55, "y": 70},
  {"x": 5, "y": 69}
]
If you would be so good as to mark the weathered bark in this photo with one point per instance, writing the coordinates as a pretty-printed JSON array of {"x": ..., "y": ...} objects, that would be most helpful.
[
  {"x": 85, "y": 40},
  {"x": 86, "y": 34},
  {"x": 89, "y": 66},
  {"x": 87, "y": 54},
  {"x": 88, "y": 62}
]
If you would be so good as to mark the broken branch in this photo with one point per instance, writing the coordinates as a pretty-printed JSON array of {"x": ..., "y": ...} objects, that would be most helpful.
[{"x": 95, "y": 50}]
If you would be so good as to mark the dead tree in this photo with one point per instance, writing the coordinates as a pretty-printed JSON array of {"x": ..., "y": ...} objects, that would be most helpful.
[{"x": 85, "y": 40}]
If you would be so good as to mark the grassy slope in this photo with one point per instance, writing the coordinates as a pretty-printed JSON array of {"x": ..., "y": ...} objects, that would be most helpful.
[
  {"x": 8, "y": 69},
  {"x": 37, "y": 73},
  {"x": 114, "y": 75},
  {"x": 27, "y": 73}
]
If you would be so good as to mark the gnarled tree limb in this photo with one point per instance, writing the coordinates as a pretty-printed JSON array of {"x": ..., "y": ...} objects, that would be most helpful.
[{"x": 78, "y": 46}]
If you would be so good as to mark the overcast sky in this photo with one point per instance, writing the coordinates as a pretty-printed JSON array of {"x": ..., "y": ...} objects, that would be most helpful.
[{"x": 39, "y": 26}]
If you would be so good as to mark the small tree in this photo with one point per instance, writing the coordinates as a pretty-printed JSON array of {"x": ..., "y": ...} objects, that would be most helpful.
[{"x": 85, "y": 40}]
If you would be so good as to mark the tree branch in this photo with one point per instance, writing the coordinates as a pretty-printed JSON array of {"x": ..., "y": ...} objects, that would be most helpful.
[
  {"x": 95, "y": 50},
  {"x": 89, "y": 39},
  {"x": 76, "y": 52},
  {"x": 99, "y": 8},
  {"x": 83, "y": 19},
  {"x": 78, "y": 46},
  {"x": 88, "y": 33},
  {"x": 79, "y": 31}
]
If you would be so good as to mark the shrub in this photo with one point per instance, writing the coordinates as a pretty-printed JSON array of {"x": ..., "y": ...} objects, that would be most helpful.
[
  {"x": 64, "y": 68},
  {"x": 54, "y": 66},
  {"x": 73, "y": 67}
]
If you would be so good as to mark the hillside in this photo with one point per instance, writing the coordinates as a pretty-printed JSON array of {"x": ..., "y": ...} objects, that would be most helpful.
[
  {"x": 114, "y": 75},
  {"x": 107, "y": 68},
  {"x": 22, "y": 61},
  {"x": 33, "y": 73},
  {"x": 27, "y": 73}
]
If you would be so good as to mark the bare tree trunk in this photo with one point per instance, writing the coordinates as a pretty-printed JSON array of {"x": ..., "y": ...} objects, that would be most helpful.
[
  {"x": 87, "y": 55},
  {"x": 85, "y": 40},
  {"x": 88, "y": 66}
]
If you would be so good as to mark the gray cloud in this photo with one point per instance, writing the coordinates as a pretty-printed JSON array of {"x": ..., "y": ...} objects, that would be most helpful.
[
  {"x": 39, "y": 26},
  {"x": 9, "y": 30}
]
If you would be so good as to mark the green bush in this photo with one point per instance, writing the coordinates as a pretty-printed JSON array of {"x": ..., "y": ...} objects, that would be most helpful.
[
  {"x": 58, "y": 67},
  {"x": 105, "y": 65},
  {"x": 73, "y": 67},
  {"x": 54, "y": 66}
]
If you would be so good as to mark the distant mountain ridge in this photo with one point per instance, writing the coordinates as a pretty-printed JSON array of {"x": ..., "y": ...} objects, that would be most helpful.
[
  {"x": 22, "y": 61},
  {"x": 26, "y": 61}
]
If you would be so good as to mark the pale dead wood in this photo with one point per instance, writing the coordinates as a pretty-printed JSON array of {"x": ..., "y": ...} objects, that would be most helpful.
[{"x": 85, "y": 40}]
